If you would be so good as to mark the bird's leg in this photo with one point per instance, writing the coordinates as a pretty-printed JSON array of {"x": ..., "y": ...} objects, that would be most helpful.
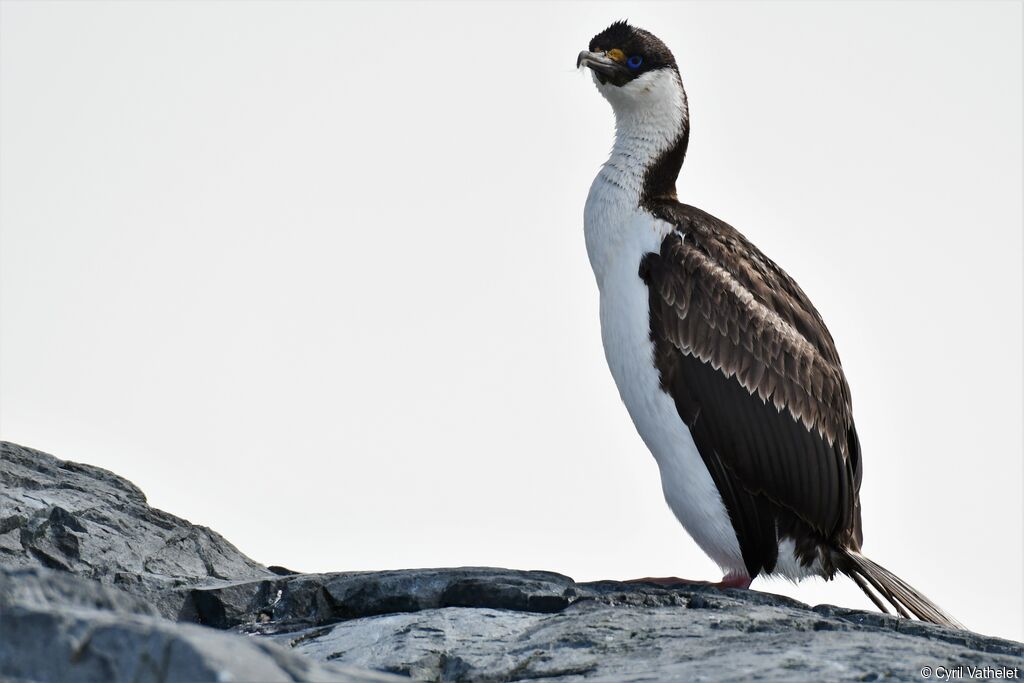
[
  {"x": 734, "y": 581},
  {"x": 730, "y": 581}
]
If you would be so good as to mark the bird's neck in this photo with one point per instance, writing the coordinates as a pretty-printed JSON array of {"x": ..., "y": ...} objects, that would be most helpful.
[
  {"x": 651, "y": 136},
  {"x": 651, "y": 132}
]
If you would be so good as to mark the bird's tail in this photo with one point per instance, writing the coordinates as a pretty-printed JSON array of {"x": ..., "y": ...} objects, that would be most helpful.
[{"x": 901, "y": 595}]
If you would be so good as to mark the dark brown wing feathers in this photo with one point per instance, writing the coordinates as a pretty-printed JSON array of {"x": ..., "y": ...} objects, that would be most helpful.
[{"x": 755, "y": 374}]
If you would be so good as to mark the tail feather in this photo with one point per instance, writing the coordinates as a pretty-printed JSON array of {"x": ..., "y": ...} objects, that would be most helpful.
[{"x": 900, "y": 594}]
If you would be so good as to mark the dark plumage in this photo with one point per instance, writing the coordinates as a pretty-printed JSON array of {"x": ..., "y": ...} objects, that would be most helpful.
[
  {"x": 755, "y": 375},
  {"x": 634, "y": 41}
]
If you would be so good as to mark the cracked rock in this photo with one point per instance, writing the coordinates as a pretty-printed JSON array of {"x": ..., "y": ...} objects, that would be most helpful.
[
  {"x": 59, "y": 627},
  {"x": 87, "y": 521}
]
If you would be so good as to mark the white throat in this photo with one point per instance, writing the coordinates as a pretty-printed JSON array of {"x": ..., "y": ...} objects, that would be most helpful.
[{"x": 650, "y": 115}]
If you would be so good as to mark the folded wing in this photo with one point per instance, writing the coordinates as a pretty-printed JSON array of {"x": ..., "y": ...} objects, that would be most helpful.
[{"x": 755, "y": 375}]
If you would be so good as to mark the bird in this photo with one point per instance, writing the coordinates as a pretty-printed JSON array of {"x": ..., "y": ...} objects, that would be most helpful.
[{"x": 726, "y": 368}]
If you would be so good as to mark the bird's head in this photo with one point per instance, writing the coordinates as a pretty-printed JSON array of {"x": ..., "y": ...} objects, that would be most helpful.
[
  {"x": 638, "y": 75},
  {"x": 633, "y": 69}
]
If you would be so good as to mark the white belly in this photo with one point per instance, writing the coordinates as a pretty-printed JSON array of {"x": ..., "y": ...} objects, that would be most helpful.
[{"x": 625, "y": 331}]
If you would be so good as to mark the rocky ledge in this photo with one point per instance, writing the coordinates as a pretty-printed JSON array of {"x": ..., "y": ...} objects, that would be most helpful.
[{"x": 95, "y": 585}]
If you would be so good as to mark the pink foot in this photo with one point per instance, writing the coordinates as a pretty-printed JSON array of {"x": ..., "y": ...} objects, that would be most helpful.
[
  {"x": 731, "y": 581},
  {"x": 734, "y": 581}
]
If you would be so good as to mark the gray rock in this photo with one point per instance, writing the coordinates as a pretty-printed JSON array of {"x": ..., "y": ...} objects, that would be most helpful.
[
  {"x": 87, "y": 521},
  {"x": 44, "y": 588},
  {"x": 599, "y": 642},
  {"x": 302, "y": 600},
  {"x": 65, "y": 628},
  {"x": 480, "y": 624},
  {"x": 58, "y": 519}
]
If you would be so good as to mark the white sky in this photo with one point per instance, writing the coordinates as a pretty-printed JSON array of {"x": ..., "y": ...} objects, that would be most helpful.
[{"x": 313, "y": 275}]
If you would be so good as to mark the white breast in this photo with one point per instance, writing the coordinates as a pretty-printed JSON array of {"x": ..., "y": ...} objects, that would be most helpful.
[
  {"x": 618, "y": 235},
  {"x": 649, "y": 114}
]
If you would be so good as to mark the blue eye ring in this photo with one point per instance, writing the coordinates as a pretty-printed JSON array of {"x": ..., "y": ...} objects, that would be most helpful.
[{"x": 634, "y": 62}]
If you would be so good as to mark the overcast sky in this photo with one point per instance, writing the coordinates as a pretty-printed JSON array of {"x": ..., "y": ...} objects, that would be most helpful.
[{"x": 313, "y": 274}]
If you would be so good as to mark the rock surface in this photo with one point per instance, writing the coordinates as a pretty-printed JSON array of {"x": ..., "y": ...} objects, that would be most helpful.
[
  {"x": 139, "y": 569},
  {"x": 56, "y": 627},
  {"x": 93, "y": 582},
  {"x": 481, "y": 624},
  {"x": 87, "y": 521}
]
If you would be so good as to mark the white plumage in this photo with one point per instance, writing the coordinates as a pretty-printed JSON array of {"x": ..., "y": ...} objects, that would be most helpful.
[{"x": 618, "y": 234}]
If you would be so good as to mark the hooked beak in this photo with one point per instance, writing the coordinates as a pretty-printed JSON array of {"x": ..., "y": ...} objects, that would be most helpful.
[{"x": 605, "y": 69}]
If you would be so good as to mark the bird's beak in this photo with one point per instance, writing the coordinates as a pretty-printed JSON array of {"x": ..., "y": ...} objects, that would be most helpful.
[{"x": 604, "y": 67}]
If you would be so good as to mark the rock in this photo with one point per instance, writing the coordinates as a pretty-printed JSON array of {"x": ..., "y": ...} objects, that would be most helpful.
[
  {"x": 88, "y": 521},
  {"x": 480, "y": 624},
  {"x": 56, "y": 627},
  {"x": 283, "y": 603},
  {"x": 59, "y": 519},
  {"x": 34, "y": 587}
]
